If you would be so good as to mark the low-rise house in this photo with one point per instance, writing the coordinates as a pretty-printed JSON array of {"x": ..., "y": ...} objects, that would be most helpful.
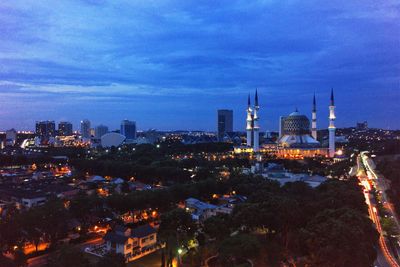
[
  {"x": 33, "y": 201},
  {"x": 199, "y": 210},
  {"x": 131, "y": 242}
]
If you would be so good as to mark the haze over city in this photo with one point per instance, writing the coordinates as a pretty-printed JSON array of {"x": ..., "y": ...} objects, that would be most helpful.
[{"x": 172, "y": 64}]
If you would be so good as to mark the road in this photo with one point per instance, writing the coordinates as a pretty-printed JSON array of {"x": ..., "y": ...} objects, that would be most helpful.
[
  {"x": 42, "y": 260},
  {"x": 382, "y": 185},
  {"x": 385, "y": 256}
]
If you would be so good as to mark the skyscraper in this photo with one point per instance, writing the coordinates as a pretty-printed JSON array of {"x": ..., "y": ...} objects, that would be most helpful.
[
  {"x": 11, "y": 137},
  {"x": 225, "y": 122},
  {"x": 100, "y": 130},
  {"x": 45, "y": 129},
  {"x": 85, "y": 129},
  {"x": 65, "y": 128},
  {"x": 128, "y": 128}
]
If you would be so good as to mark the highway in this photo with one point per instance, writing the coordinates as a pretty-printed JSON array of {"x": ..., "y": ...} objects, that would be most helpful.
[{"x": 367, "y": 176}]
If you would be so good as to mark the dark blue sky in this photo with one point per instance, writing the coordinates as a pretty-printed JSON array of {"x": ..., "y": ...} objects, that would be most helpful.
[{"x": 172, "y": 64}]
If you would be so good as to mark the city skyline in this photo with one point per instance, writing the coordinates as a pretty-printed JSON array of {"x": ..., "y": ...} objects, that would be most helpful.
[{"x": 171, "y": 65}]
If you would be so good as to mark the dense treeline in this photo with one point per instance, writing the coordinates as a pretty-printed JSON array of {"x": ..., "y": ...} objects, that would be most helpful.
[
  {"x": 153, "y": 164},
  {"x": 378, "y": 147},
  {"x": 391, "y": 170},
  {"x": 326, "y": 226}
]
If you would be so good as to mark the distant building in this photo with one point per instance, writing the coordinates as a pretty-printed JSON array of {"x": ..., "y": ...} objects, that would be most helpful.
[
  {"x": 45, "y": 129},
  {"x": 11, "y": 137},
  {"x": 100, "y": 130},
  {"x": 85, "y": 129},
  {"x": 128, "y": 128},
  {"x": 65, "y": 128},
  {"x": 362, "y": 126},
  {"x": 225, "y": 123},
  {"x": 112, "y": 139}
]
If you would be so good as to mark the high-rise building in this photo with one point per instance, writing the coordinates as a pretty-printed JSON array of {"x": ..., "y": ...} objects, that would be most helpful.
[
  {"x": 100, "y": 130},
  {"x": 11, "y": 137},
  {"x": 362, "y": 126},
  {"x": 85, "y": 129},
  {"x": 45, "y": 129},
  {"x": 225, "y": 122},
  {"x": 65, "y": 128},
  {"x": 128, "y": 129}
]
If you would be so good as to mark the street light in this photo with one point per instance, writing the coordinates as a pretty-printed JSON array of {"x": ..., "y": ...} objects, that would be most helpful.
[{"x": 180, "y": 251}]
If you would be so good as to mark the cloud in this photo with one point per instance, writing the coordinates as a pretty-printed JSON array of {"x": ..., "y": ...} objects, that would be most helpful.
[{"x": 173, "y": 53}]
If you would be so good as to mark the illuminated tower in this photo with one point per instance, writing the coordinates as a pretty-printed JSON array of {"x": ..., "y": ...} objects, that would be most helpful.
[
  {"x": 332, "y": 127},
  {"x": 314, "y": 120},
  {"x": 256, "y": 127},
  {"x": 249, "y": 127}
]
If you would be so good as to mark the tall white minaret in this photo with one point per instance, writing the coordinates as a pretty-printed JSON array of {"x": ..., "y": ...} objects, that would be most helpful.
[
  {"x": 314, "y": 120},
  {"x": 332, "y": 127},
  {"x": 249, "y": 119},
  {"x": 256, "y": 127}
]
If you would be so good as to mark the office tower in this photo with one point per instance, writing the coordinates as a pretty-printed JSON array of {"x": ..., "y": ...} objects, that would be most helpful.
[
  {"x": 225, "y": 123},
  {"x": 85, "y": 129},
  {"x": 362, "y": 126},
  {"x": 45, "y": 129},
  {"x": 11, "y": 137},
  {"x": 100, "y": 130},
  {"x": 128, "y": 129},
  {"x": 65, "y": 128}
]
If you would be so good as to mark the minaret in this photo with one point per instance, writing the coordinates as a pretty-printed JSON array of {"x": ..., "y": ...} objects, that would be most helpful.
[
  {"x": 314, "y": 120},
  {"x": 249, "y": 119},
  {"x": 256, "y": 128},
  {"x": 332, "y": 127}
]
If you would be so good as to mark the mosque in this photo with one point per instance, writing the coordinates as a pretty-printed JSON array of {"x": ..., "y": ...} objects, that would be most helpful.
[{"x": 297, "y": 137}]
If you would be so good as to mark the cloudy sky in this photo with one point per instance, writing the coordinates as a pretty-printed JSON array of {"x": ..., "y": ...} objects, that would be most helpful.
[{"x": 172, "y": 64}]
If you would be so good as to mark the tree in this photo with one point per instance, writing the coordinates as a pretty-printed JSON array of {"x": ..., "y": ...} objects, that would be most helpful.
[
  {"x": 176, "y": 228},
  {"x": 389, "y": 226},
  {"x": 343, "y": 232},
  {"x": 68, "y": 256},
  {"x": 111, "y": 260},
  {"x": 218, "y": 226},
  {"x": 241, "y": 246},
  {"x": 20, "y": 258}
]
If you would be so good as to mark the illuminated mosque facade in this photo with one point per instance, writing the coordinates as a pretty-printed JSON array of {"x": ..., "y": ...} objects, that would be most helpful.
[{"x": 297, "y": 136}]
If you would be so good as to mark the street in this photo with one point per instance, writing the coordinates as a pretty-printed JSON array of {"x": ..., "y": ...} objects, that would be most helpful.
[{"x": 367, "y": 176}]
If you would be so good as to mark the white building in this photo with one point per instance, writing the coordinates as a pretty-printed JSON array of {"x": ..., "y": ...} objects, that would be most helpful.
[
  {"x": 112, "y": 139},
  {"x": 131, "y": 242}
]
